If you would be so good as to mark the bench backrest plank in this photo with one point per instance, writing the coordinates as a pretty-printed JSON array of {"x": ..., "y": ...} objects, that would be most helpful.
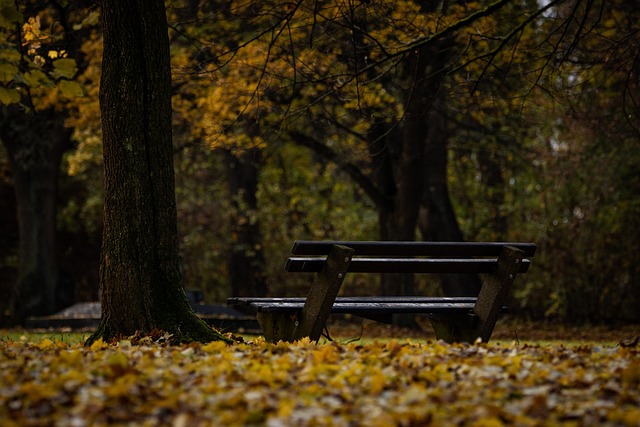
[
  {"x": 391, "y": 248},
  {"x": 402, "y": 265}
]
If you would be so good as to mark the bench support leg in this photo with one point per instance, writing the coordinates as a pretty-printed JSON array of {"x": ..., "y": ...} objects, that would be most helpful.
[
  {"x": 312, "y": 319},
  {"x": 495, "y": 291},
  {"x": 492, "y": 297}
]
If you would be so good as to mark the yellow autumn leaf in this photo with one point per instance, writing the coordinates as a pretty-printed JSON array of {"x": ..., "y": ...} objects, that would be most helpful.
[
  {"x": 325, "y": 354},
  {"x": 31, "y": 29},
  {"x": 35, "y": 78},
  {"x": 7, "y": 72},
  {"x": 376, "y": 382},
  {"x": 71, "y": 357},
  {"x": 46, "y": 344},
  {"x": 98, "y": 344},
  {"x": 631, "y": 375},
  {"x": 629, "y": 417},
  {"x": 118, "y": 360},
  {"x": 121, "y": 386},
  {"x": 632, "y": 417},
  {"x": 70, "y": 89},
  {"x": 304, "y": 342},
  {"x": 214, "y": 347},
  {"x": 286, "y": 408},
  {"x": 36, "y": 392},
  {"x": 65, "y": 68}
]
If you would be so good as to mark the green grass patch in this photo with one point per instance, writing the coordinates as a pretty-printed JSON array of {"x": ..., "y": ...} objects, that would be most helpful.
[{"x": 37, "y": 337}]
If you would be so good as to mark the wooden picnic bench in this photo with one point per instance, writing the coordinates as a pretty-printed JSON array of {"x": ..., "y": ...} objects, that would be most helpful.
[{"x": 454, "y": 319}]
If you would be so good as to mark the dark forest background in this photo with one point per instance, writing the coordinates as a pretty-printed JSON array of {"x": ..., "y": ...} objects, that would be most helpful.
[{"x": 393, "y": 120}]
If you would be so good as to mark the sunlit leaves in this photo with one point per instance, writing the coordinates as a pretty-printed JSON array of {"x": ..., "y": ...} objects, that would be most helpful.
[
  {"x": 381, "y": 383},
  {"x": 34, "y": 70}
]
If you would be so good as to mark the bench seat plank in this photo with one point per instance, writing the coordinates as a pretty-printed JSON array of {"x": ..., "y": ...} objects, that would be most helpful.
[
  {"x": 402, "y": 265},
  {"x": 380, "y": 299},
  {"x": 370, "y": 307},
  {"x": 364, "y": 305}
]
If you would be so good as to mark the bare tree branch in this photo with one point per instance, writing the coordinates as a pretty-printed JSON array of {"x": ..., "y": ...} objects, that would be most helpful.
[{"x": 365, "y": 183}]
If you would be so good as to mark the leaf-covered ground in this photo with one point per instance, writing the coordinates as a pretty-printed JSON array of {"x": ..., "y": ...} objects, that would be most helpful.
[{"x": 375, "y": 384}]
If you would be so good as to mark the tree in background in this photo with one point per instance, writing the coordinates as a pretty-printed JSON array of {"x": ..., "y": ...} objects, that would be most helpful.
[
  {"x": 548, "y": 112},
  {"x": 37, "y": 73},
  {"x": 140, "y": 277},
  {"x": 205, "y": 108},
  {"x": 590, "y": 159},
  {"x": 375, "y": 77},
  {"x": 352, "y": 81},
  {"x": 294, "y": 69}
]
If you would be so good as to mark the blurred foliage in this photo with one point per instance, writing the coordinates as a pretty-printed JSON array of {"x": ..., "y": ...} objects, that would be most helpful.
[
  {"x": 541, "y": 112},
  {"x": 564, "y": 134},
  {"x": 35, "y": 69}
]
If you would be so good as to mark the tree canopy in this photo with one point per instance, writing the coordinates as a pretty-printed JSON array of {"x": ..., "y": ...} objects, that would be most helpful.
[{"x": 366, "y": 120}]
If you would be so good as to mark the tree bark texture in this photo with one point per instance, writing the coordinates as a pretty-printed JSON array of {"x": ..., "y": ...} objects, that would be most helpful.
[{"x": 140, "y": 277}]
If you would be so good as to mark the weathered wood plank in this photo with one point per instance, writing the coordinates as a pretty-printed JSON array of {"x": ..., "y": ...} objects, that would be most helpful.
[
  {"x": 495, "y": 291},
  {"x": 363, "y": 299},
  {"x": 394, "y": 248},
  {"x": 402, "y": 265},
  {"x": 324, "y": 291},
  {"x": 370, "y": 307}
]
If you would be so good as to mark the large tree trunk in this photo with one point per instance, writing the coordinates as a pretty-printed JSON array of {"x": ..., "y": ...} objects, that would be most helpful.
[
  {"x": 422, "y": 76},
  {"x": 35, "y": 145},
  {"x": 140, "y": 277},
  {"x": 394, "y": 159},
  {"x": 246, "y": 258},
  {"x": 493, "y": 180},
  {"x": 438, "y": 220}
]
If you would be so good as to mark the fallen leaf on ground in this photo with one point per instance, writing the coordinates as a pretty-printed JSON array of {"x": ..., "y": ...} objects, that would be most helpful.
[{"x": 300, "y": 384}]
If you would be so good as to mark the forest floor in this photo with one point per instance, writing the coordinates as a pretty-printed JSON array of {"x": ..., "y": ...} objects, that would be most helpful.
[
  {"x": 350, "y": 330},
  {"x": 531, "y": 374}
]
